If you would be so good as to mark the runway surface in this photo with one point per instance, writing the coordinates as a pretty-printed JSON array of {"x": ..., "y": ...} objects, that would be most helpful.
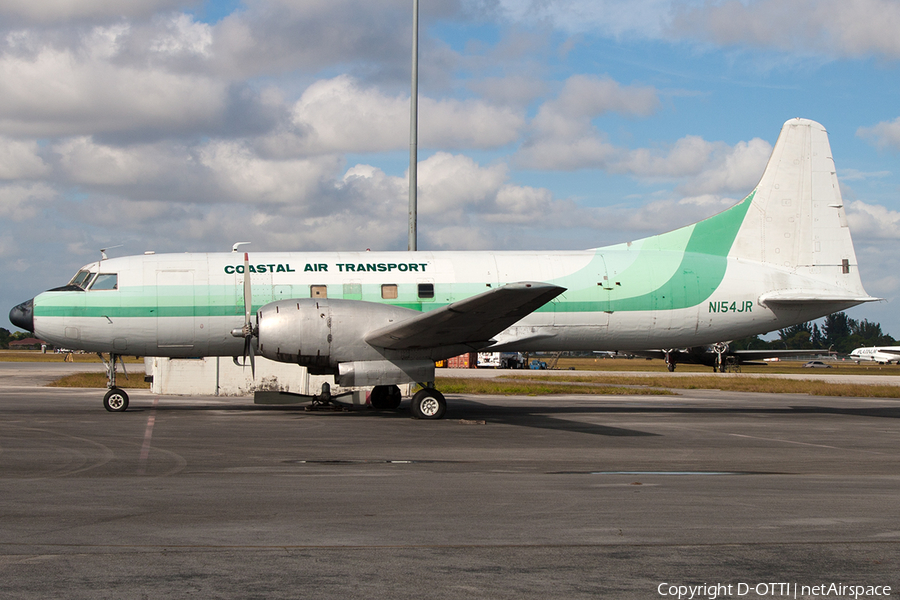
[{"x": 508, "y": 497}]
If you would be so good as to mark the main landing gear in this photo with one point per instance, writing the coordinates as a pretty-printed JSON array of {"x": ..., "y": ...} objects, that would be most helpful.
[
  {"x": 115, "y": 400},
  {"x": 427, "y": 403},
  {"x": 385, "y": 397},
  {"x": 670, "y": 360}
]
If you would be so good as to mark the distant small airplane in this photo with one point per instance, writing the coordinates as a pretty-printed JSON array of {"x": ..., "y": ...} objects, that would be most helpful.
[
  {"x": 781, "y": 256},
  {"x": 719, "y": 356},
  {"x": 881, "y": 354}
]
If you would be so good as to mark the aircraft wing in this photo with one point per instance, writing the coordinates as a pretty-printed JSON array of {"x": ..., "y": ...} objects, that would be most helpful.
[
  {"x": 760, "y": 354},
  {"x": 706, "y": 356},
  {"x": 473, "y": 321}
]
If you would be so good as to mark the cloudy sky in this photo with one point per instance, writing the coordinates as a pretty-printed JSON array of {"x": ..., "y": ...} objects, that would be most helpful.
[{"x": 175, "y": 125}]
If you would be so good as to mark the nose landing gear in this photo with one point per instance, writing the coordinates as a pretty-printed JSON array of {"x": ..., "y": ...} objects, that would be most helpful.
[{"x": 115, "y": 400}]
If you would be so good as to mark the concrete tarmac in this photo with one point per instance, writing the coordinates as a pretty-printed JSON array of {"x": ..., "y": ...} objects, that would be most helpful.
[{"x": 508, "y": 497}]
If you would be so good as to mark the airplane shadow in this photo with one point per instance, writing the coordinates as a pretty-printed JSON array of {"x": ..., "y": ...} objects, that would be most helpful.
[{"x": 552, "y": 416}]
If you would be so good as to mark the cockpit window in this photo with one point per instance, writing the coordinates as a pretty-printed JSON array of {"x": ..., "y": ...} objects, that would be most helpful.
[
  {"x": 81, "y": 279},
  {"x": 106, "y": 281}
]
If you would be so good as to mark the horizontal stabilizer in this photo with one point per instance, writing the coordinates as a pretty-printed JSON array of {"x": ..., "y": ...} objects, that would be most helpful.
[
  {"x": 801, "y": 297},
  {"x": 473, "y": 321}
]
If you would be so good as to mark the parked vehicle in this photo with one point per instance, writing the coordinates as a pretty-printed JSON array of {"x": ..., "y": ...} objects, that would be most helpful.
[
  {"x": 501, "y": 360},
  {"x": 817, "y": 364}
]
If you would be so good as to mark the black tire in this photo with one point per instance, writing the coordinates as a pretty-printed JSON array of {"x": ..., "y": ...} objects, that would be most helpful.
[
  {"x": 429, "y": 404},
  {"x": 671, "y": 367},
  {"x": 385, "y": 397},
  {"x": 115, "y": 400}
]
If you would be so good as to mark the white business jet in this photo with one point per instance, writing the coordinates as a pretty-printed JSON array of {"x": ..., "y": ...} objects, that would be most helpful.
[{"x": 883, "y": 355}]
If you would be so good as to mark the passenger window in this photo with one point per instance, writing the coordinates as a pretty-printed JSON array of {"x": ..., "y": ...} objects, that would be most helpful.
[
  {"x": 106, "y": 281},
  {"x": 318, "y": 291},
  {"x": 389, "y": 291},
  {"x": 426, "y": 291}
]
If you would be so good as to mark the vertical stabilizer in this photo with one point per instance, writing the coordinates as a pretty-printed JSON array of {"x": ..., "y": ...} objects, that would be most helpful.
[{"x": 796, "y": 220}]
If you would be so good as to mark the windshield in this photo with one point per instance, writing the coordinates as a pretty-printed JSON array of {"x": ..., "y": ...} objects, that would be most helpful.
[{"x": 81, "y": 279}]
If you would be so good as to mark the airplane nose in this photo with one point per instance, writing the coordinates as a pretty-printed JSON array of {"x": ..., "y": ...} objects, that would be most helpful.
[{"x": 22, "y": 315}]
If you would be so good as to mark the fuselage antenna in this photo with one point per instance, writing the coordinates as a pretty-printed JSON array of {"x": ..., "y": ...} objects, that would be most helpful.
[{"x": 103, "y": 255}]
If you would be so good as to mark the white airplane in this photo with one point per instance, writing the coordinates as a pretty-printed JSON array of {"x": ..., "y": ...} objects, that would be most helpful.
[
  {"x": 880, "y": 354},
  {"x": 781, "y": 256},
  {"x": 719, "y": 356}
]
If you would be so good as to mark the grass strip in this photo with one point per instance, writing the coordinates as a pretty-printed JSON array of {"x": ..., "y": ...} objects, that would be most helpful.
[
  {"x": 57, "y": 357},
  {"x": 98, "y": 380},
  {"x": 763, "y": 385}
]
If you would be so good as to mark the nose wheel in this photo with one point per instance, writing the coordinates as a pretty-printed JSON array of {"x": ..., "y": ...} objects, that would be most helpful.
[{"x": 115, "y": 400}]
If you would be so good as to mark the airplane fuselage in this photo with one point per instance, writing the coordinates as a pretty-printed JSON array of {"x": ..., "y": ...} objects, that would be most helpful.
[{"x": 619, "y": 298}]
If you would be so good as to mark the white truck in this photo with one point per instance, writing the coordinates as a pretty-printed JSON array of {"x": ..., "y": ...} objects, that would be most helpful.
[{"x": 501, "y": 360}]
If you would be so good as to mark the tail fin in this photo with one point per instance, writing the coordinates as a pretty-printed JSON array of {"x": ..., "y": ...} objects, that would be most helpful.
[{"x": 796, "y": 219}]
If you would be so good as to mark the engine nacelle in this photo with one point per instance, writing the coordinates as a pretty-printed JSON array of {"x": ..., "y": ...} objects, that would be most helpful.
[
  {"x": 320, "y": 333},
  {"x": 384, "y": 372}
]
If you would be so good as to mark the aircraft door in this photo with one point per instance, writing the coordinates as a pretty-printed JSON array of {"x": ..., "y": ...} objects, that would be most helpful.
[
  {"x": 604, "y": 290},
  {"x": 175, "y": 309}
]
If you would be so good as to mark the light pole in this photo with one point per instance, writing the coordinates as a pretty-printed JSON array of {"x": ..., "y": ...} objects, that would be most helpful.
[{"x": 413, "y": 128}]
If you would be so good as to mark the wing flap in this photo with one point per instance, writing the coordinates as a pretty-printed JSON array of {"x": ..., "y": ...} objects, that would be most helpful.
[{"x": 473, "y": 321}]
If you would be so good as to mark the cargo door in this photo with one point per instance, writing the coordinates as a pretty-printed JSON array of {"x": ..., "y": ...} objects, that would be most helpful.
[{"x": 175, "y": 309}]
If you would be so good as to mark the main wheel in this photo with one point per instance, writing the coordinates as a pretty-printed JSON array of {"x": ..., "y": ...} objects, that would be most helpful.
[
  {"x": 115, "y": 400},
  {"x": 428, "y": 403},
  {"x": 385, "y": 397}
]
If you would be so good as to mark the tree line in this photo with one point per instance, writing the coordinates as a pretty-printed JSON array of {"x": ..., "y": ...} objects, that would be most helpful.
[
  {"x": 838, "y": 333},
  {"x": 6, "y": 337}
]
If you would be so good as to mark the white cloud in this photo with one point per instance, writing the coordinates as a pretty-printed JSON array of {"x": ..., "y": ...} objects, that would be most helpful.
[
  {"x": 662, "y": 215},
  {"x": 857, "y": 175},
  {"x": 19, "y": 202},
  {"x": 563, "y": 137},
  {"x": 885, "y": 134},
  {"x": 830, "y": 27},
  {"x": 340, "y": 115},
  {"x": 183, "y": 35},
  {"x": 687, "y": 156},
  {"x": 455, "y": 186},
  {"x": 611, "y": 17},
  {"x": 85, "y": 162},
  {"x": 271, "y": 36},
  {"x": 585, "y": 96},
  {"x": 241, "y": 176},
  {"x": 59, "y": 11},
  {"x": 873, "y": 222},
  {"x": 19, "y": 159},
  {"x": 730, "y": 169},
  {"x": 63, "y": 92}
]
